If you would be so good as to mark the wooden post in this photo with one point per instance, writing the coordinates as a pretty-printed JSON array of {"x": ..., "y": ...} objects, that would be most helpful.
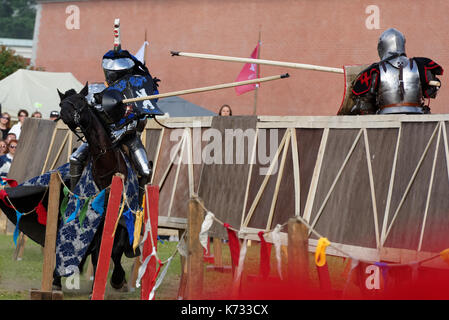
[
  {"x": 298, "y": 254},
  {"x": 107, "y": 240},
  {"x": 195, "y": 251},
  {"x": 183, "y": 280},
  {"x": 3, "y": 221},
  {"x": 151, "y": 212},
  {"x": 51, "y": 230}
]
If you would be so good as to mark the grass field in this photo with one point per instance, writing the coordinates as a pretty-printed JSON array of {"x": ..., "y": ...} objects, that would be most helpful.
[{"x": 18, "y": 277}]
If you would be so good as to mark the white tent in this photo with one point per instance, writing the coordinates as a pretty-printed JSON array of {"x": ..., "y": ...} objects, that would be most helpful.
[{"x": 35, "y": 91}]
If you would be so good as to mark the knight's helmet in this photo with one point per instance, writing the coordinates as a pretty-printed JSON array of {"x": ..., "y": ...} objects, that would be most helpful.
[
  {"x": 117, "y": 63},
  {"x": 391, "y": 44}
]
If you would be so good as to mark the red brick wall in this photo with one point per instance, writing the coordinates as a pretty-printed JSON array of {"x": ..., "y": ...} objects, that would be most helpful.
[{"x": 322, "y": 32}]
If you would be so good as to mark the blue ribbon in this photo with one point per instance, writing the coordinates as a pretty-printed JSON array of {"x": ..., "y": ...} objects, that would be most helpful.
[
  {"x": 98, "y": 203},
  {"x": 73, "y": 214},
  {"x": 16, "y": 230}
]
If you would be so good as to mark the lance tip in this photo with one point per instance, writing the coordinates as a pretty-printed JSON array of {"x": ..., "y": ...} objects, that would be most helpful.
[
  {"x": 285, "y": 75},
  {"x": 174, "y": 53}
]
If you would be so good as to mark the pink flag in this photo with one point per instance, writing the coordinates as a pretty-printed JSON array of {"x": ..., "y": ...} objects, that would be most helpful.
[{"x": 248, "y": 72}]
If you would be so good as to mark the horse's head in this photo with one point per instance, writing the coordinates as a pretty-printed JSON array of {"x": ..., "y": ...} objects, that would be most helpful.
[{"x": 72, "y": 106}]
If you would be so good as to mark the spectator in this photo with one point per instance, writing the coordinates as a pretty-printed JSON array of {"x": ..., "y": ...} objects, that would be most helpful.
[
  {"x": 36, "y": 114},
  {"x": 54, "y": 115},
  {"x": 3, "y": 147},
  {"x": 5, "y": 160},
  {"x": 10, "y": 136},
  {"x": 5, "y": 124},
  {"x": 17, "y": 128},
  {"x": 225, "y": 110}
]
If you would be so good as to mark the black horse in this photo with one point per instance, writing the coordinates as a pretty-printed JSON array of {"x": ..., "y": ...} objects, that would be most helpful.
[{"x": 106, "y": 160}]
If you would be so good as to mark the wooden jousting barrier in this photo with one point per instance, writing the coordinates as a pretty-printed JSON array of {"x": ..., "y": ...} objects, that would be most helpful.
[
  {"x": 210, "y": 88},
  {"x": 258, "y": 61}
]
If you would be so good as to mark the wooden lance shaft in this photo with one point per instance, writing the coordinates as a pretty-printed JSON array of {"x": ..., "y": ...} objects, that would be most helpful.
[
  {"x": 269, "y": 62},
  {"x": 204, "y": 89},
  {"x": 258, "y": 61}
]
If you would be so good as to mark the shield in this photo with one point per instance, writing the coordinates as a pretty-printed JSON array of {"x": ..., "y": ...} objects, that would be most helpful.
[
  {"x": 135, "y": 86},
  {"x": 351, "y": 74}
]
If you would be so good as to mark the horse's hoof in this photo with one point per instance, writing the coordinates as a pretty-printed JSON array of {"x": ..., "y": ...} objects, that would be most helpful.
[{"x": 122, "y": 287}]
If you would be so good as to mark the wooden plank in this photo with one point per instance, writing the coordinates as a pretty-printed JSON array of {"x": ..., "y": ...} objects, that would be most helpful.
[
  {"x": 429, "y": 192},
  {"x": 107, "y": 240},
  {"x": 316, "y": 174},
  {"x": 51, "y": 232},
  {"x": 152, "y": 213},
  {"x": 296, "y": 175},
  {"x": 373, "y": 191}
]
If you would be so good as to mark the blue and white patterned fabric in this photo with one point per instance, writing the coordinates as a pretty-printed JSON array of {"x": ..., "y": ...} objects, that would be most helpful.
[{"x": 74, "y": 239}]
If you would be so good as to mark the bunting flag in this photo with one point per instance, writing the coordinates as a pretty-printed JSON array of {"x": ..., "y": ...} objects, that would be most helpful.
[
  {"x": 64, "y": 203},
  {"x": 320, "y": 253},
  {"x": 129, "y": 220},
  {"x": 41, "y": 214},
  {"x": 234, "y": 245},
  {"x": 143, "y": 267},
  {"x": 140, "y": 55},
  {"x": 84, "y": 212},
  {"x": 249, "y": 72},
  {"x": 137, "y": 228},
  {"x": 98, "y": 203},
  {"x": 16, "y": 230},
  {"x": 445, "y": 255},
  {"x": 276, "y": 236},
  {"x": 264, "y": 256},
  {"x": 384, "y": 269},
  {"x": 207, "y": 223},
  {"x": 77, "y": 208},
  {"x": 3, "y": 195},
  {"x": 160, "y": 279}
]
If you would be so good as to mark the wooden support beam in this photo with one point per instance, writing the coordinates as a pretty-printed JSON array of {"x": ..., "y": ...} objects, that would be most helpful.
[
  {"x": 107, "y": 240},
  {"x": 51, "y": 231},
  {"x": 195, "y": 251}
]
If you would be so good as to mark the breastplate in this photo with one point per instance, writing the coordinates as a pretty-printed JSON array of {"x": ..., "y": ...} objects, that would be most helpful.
[{"x": 400, "y": 87}]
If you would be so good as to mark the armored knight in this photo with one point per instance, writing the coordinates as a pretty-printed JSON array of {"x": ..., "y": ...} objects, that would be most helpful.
[
  {"x": 396, "y": 84},
  {"x": 126, "y": 77}
]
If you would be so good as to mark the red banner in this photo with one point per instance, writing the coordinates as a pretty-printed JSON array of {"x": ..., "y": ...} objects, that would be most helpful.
[{"x": 249, "y": 72}]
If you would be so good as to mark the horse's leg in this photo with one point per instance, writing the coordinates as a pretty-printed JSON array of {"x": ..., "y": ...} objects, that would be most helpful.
[{"x": 118, "y": 279}]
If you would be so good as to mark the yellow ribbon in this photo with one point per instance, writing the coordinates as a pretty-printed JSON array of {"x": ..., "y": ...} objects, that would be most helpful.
[
  {"x": 320, "y": 253},
  {"x": 138, "y": 225},
  {"x": 445, "y": 255},
  {"x": 120, "y": 213}
]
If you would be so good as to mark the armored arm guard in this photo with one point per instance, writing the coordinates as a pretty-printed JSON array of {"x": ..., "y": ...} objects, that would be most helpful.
[
  {"x": 364, "y": 91},
  {"x": 428, "y": 71}
]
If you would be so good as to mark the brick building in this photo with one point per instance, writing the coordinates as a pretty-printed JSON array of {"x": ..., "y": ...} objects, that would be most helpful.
[{"x": 73, "y": 35}]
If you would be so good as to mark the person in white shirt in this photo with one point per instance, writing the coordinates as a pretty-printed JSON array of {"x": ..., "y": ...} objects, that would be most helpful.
[{"x": 17, "y": 128}]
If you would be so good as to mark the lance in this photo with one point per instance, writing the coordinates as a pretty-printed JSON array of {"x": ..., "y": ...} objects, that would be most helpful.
[
  {"x": 204, "y": 89},
  {"x": 257, "y": 61},
  {"x": 270, "y": 63}
]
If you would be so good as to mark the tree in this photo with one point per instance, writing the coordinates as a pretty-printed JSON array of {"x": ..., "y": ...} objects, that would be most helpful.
[
  {"x": 10, "y": 62},
  {"x": 17, "y": 18}
]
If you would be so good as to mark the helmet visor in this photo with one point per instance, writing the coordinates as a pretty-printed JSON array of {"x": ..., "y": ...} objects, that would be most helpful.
[{"x": 117, "y": 64}]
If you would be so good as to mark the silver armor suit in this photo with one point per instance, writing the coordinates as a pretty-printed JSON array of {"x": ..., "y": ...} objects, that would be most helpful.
[{"x": 400, "y": 88}]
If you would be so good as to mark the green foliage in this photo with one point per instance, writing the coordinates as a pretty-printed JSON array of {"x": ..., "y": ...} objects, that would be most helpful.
[
  {"x": 10, "y": 62},
  {"x": 17, "y": 18}
]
